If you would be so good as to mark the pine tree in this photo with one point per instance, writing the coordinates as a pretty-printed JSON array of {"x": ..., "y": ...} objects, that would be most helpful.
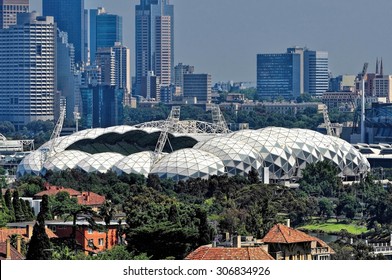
[
  {"x": 40, "y": 246},
  {"x": 8, "y": 203},
  {"x": 30, "y": 211},
  {"x": 26, "y": 209},
  {"x": 18, "y": 210}
]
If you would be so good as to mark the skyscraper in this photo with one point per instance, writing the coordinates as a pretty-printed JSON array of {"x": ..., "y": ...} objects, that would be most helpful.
[
  {"x": 9, "y": 10},
  {"x": 122, "y": 58},
  {"x": 278, "y": 75},
  {"x": 28, "y": 70},
  {"x": 316, "y": 72},
  {"x": 70, "y": 17},
  {"x": 154, "y": 39},
  {"x": 65, "y": 73},
  {"x": 105, "y": 30}
]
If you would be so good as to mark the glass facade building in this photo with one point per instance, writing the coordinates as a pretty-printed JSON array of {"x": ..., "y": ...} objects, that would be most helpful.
[
  {"x": 278, "y": 75},
  {"x": 70, "y": 17},
  {"x": 105, "y": 30},
  {"x": 154, "y": 41},
  {"x": 316, "y": 72}
]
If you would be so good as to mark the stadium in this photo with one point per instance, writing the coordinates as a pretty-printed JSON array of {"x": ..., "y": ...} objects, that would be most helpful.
[{"x": 180, "y": 150}]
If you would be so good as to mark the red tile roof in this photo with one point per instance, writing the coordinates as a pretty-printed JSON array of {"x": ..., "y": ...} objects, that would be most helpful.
[
  {"x": 90, "y": 199},
  {"x": 6, "y": 233},
  {"x": 53, "y": 190},
  {"x": 84, "y": 198},
  {"x": 282, "y": 234},
  {"x": 15, "y": 255},
  {"x": 208, "y": 252}
]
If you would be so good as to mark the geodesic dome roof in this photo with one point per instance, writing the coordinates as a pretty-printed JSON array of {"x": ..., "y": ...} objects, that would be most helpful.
[
  {"x": 99, "y": 163},
  {"x": 140, "y": 163},
  {"x": 277, "y": 157},
  {"x": 64, "y": 160},
  {"x": 238, "y": 157},
  {"x": 284, "y": 151},
  {"x": 188, "y": 163},
  {"x": 30, "y": 165}
]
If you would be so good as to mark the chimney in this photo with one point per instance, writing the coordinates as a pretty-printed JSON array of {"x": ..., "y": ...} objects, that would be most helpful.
[
  {"x": 8, "y": 249},
  {"x": 213, "y": 244},
  {"x": 227, "y": 236},
  {"x": 288, "y": 223},
  {"x": 29, "y": 231},
  {"x": 237, "y": 241},
  {"x": 19, "y": 244}
]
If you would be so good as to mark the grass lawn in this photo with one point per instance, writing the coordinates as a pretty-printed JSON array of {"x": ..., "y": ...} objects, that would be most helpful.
[{"x": 334, "y": 227}]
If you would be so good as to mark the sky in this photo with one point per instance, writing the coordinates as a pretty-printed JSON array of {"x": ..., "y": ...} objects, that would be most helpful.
[{"x": 223, "y": 37}]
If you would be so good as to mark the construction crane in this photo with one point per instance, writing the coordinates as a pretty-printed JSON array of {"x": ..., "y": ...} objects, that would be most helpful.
[
  {"x": 48, "y": 151},
  {"x": 173, "y": 118},
  {"x": 218, "y": 118},
  {"x": 327, "y": 122}
]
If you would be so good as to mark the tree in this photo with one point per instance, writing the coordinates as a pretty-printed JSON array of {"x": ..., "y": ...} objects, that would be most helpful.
[
  {"x": 18, "y": 208},
  {"x": 203, "y": 227},
  {"x": 8, "y": 203},
  {"x": 325, "y": 207},
  {"x": 39, "y": 246},
  {"x": 107, "y": 211}
]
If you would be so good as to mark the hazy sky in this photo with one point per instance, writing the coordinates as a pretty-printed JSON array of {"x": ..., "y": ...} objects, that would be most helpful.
[{"x": 222, "y": 37}]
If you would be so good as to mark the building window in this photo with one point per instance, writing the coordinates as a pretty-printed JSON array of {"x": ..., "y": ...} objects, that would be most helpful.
[
  {"x": 100, "y": 242},
  {"x": 90, "y": 231},
  {"x": 90, "y": 243}
]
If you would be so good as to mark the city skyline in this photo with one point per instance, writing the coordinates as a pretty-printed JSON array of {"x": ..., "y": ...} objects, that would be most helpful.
[{"x": 226, "y": 39}]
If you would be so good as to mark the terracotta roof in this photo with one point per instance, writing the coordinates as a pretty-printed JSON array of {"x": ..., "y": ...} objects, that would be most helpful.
[
  {"x": 15, "y": 255},
  {"x": 84, "y": 198},
  {"x": 208, "y": 252},
  {"x": 282, "y": 234},
  {"x": 53, "y": 190},
  {"x": 6, "y": 233},
  {"x": 90, "y": 198}
]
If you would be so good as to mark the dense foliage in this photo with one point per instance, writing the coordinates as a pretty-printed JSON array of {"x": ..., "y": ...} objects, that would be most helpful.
[{"x": 166, "y": 220}]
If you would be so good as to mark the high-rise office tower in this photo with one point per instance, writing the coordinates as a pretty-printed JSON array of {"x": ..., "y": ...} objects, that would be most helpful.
[
  {"x": 316, "y": 72},
  {"x": 278, "y": 75},
  {"x": 105, "y": 30},
  {"x": 105, "y": 60},
  {"x": 198, "y": 86},
  {"x": 9, "y": 10},
  {"x": 154, "y": 39},
  {"x": 28, "y": 69},
  {"x": 70, "y": 17},
  {"x": 290, "y": 74},
  {"x": 65, "y": 74},
  {"x": 122, "y": 67}
]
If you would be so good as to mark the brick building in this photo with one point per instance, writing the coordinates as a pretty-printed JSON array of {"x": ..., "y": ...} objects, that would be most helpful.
[{"x": 89, "y": 240}]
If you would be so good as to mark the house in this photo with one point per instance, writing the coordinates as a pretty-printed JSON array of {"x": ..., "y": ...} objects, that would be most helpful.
[
  {"x": 208, "y": 252},
  {"x": 8, "y": 252},
  {"x": 234, "y": 248},
  {"x": 25, "y": 230},
  {"x": 90, "y": 199},
  {"x": 280, "y": 243},
  {"x": 286, "y": 243},
  {"x": 90, "y": 240}
]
